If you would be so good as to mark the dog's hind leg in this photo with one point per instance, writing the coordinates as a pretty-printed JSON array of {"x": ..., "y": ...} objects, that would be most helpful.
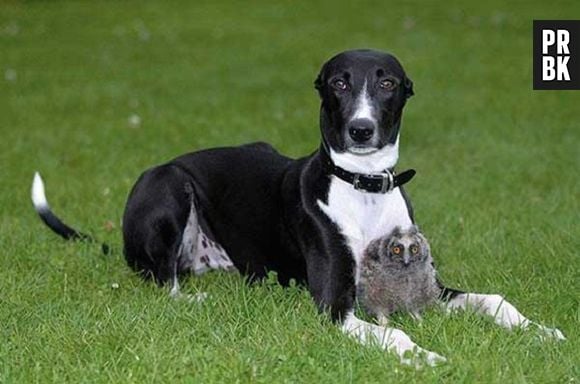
[
  {"x": 168, "y": 248},
  {"x": 162, "y": 248},
  {"x": 162, "y": 229},
  {"x": 186, "y": 254}
]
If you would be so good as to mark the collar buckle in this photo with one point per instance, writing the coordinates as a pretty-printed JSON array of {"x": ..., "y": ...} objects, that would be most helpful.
[
  {"x": 356, "y": 182},
  {"x": 381, "y": 182}
]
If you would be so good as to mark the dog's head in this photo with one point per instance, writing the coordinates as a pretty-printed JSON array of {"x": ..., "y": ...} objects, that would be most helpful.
[{"x": 363, "y": 93}]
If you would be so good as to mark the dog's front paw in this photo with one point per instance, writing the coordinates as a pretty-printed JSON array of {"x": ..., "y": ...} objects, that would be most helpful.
[
  {"x": 546, "y": 333},
  {"x": 198, "y": 297},
  {"x": 432, "y": 359},
  {"x": 420, "y": 356}
]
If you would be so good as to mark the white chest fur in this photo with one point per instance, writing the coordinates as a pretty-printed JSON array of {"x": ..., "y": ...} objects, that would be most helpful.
[{"x": 362, "y": 217}]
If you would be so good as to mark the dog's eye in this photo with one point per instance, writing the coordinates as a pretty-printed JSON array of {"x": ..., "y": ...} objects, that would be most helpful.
[
  {"x": 340, "y": 84},
  {"x": 396, "y": 250},
  {"x": 387, "y": 84},
  {"x": 414, "y": 249}
]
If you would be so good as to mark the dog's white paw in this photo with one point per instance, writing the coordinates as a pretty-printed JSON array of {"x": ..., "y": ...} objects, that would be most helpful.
[
  {"x": 198, "y": 297},
  {"x": 420, "y": 356},
  {"x": 546, "y": 333}
]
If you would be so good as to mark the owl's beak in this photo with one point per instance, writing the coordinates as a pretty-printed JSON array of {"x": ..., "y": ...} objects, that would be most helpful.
[{"x": 406, "y": 260}]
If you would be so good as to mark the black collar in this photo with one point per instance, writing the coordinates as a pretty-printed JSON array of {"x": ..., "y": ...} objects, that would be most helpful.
[{"x": 382, "y": 182}]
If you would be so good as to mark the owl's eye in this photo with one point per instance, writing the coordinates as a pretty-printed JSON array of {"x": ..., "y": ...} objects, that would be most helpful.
[
  {"x": 414, "y": 249},
  {"x": 396, "y": 250}
]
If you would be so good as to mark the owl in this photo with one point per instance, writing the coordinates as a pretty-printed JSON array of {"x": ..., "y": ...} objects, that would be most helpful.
[{"x": 397, "y": 274}]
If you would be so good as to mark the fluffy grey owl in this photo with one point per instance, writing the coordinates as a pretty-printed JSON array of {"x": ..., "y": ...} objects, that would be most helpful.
[{"x": 397, "y": 274}]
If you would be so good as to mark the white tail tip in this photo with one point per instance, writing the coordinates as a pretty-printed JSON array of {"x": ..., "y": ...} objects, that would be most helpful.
[{"x": 37, "y": 193}]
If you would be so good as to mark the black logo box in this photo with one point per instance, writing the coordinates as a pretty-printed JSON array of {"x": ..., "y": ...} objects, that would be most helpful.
[{"x": 573, "y": 27}]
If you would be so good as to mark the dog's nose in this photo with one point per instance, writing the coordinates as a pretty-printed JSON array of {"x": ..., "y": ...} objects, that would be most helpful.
[{"x": 361, "y": 131}]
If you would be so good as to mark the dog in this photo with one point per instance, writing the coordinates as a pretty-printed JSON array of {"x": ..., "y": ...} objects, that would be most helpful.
[{"x": 252, "y": 209}]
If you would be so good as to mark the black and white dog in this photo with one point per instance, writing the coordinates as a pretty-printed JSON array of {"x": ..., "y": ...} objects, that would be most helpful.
[{"x": 252, "y": 209}]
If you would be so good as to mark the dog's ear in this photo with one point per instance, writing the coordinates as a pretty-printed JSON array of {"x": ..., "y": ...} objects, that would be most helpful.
[
  {"x": 408, "y": 84},
  {"x": 318, "y": 82}
]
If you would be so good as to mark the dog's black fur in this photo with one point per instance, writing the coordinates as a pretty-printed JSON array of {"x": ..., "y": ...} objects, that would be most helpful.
[{"x": 261, "y": 206}]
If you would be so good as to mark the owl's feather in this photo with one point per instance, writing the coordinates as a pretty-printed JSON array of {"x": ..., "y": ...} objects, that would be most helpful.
[{"x": 387, "y": 285}]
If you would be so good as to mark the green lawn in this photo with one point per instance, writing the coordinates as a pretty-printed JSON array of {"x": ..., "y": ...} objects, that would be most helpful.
[{"x": 497, "y": 190}]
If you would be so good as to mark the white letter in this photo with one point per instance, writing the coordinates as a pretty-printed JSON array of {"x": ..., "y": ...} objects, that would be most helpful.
[
  {"x": 563, "y": 40},
  {"x": 563, "y": 68},
  {"x": 548, "y": 71},
  {"x": 548, "y": 38}
]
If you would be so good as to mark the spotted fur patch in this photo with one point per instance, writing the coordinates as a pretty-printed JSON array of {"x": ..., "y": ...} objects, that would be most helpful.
[{"x": 198, "y": 253}]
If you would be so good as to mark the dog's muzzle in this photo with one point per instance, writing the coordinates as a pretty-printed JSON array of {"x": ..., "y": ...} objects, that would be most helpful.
[{"x": 361, "y": 131}]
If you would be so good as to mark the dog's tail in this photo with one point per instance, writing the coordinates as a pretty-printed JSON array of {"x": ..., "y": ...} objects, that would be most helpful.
[{"x": 51, "y": 220}]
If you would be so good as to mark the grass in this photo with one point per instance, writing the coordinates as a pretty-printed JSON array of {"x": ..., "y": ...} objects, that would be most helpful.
[{"x": 497, "y": 190}]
